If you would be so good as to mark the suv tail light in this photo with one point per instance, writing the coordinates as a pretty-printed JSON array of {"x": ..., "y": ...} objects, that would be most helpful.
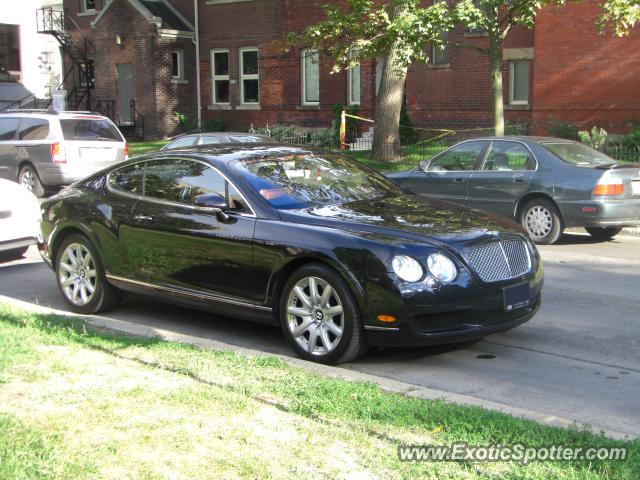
[
  {"x": 57, "y": 153},
  {"x": 608, "y": 187},
  {"x": 126, "y": 151}
]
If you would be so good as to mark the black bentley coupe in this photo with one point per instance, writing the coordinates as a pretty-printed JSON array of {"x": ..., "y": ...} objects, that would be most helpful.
[{"x": 336, "y": 254}]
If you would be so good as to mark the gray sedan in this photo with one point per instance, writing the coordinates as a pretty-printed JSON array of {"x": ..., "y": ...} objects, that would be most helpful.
[
  {"x": 546, "y": 184},
  {"x": 215, "y": 138}
]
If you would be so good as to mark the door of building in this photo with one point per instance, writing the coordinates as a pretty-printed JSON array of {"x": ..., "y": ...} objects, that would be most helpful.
[{"x": 125, "y": 92}]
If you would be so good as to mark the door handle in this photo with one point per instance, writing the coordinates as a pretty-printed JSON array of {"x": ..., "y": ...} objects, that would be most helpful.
[
  {"x": 143, "y": 218},
  {"x": 458, "y": 180}
]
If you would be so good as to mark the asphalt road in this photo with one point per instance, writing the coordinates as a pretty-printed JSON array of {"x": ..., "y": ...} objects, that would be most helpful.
[{"x": 579, "y": 358}]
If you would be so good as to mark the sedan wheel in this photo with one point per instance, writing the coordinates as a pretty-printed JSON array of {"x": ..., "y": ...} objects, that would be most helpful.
[
  {"x": 29, "y": 179},
  {"x": 542, "y": 222},
  {"x": 320, "y": 317},
  {"x": 603, "y": 234},
  {"x": 81, "y": 277}
]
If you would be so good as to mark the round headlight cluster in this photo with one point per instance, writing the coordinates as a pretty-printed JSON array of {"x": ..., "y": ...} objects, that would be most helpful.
[
  {"x": 407, "y": 268},
  {"x": 441, "y": 267}
]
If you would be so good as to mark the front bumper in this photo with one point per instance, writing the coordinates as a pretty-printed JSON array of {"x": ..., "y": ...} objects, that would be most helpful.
[
  {"x": 462, "y": 311},
  {"x": 601, "y": 213}
]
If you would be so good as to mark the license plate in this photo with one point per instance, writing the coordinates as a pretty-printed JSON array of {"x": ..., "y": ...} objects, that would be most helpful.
[
  {"x": 516, "y": 297},
  {"x": 98, "y": 154},
  {"x": 635, "y": 187}
]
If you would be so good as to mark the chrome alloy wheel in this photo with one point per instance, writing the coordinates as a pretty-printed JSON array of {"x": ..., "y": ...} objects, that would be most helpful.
[
  {"x": 77, "y": 274},
  {"x": 28, "y": 179},
  {"x": 538, "y": 221},
  {"x": 315, "y": 316}
]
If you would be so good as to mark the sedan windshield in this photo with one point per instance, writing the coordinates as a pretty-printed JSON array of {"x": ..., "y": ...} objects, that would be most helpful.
[
  {"x": 309, "y": 180},
  {"x": 579, "y": 154}
]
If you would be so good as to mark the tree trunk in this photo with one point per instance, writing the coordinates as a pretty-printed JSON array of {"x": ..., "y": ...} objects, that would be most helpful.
[
  {"x": 386, "y": 133},
  {"x": 495, "y": 61}
]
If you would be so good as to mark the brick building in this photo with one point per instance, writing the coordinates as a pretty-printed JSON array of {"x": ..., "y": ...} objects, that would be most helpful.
[{"x": 560, "y": 70}]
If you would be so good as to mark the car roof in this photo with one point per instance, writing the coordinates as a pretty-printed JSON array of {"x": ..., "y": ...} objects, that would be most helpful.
[
  {"x": 522, "y": 138},
  {"x": 228, "y": 152},
  {"x": 50, "y": 114},
  {"x": 218, "y": 134}
]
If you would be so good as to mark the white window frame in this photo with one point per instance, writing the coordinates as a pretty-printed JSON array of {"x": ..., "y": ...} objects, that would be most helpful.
[
  {"x": 180, "y": 61},
  {"x": 252, "y": 76},
  {"x": 350, "y": 74},
  {"x": 215, "y": 77},
  {"x": 87, "y": 9},
  {"x": 512, "y": 83},
  {"x": 303, "y": 55}
]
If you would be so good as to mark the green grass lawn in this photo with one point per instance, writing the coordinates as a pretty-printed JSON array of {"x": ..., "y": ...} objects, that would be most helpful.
[
  {"x": 138, "y": 148},
  {"x": 76, "y": 403}
]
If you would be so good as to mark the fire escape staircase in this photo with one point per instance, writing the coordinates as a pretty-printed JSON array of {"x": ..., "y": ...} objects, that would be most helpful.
[{"x": 79, "y": 75}]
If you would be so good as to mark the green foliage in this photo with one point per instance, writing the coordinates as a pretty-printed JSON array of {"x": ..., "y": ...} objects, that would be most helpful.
[
  {"x": 619, "y": 15},
  {"x": 214, "y": 124},
  {"x": 352, "y": 125},
  {"x": 632, "y": 139},
  {"x": 595, "y": 139},
  {"x": 562, "y": 129},
  {"x": 186, "y": 124}
]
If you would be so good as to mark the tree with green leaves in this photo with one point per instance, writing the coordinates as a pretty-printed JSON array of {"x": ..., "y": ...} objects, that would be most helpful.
[
  {"x": 619, "y": 15},
  {"x": 399, "y": 31}
]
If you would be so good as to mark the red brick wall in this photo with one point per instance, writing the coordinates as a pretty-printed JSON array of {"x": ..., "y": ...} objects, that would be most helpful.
[{"x": 583, "y": 77}]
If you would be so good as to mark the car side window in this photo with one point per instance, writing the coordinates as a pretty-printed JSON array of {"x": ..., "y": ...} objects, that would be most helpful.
[
  {"x": 8, "y": 128},
  {"x": 460, "y": 158},
  {"x": 181, "y": 181},
  {"x": 508, "y": 156},
  {"x": 183, "y": 142},
  {"x": 128, "y": 179},
  {"x": 210, "y": 140},
  {"x": 33, "y": 129}
]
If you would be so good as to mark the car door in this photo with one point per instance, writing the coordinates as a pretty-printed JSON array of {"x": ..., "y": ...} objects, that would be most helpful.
[
  {"x": 447, "y": 175},
  {"x": 503, "y": 177},
  {"x": 8, "y": 164},
  {"x": 189, "y": 248}
]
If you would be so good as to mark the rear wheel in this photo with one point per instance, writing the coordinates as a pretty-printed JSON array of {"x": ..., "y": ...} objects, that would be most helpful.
[
  {"x": 81, "y": 277},
  {"x": 603, "y": 233},
  {"x": 541, "y": 219},
  {"x": 29, "y": 179},
  {"x": 320, "y": 317}
]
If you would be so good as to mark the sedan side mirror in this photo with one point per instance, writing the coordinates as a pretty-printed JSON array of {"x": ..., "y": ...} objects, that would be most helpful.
[
  {"x": 213, "y": 203},
  {"x": 424, "y": 164}
]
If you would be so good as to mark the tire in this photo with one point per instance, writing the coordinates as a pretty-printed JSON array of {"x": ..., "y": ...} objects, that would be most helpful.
[
  {"x": 541, "y": 220},
  {"x": 603, "y": 233},
  {"x": 28, "y": 178},
  {"x": 83, "y": 284},
  {"x": 333, "y": 318}
]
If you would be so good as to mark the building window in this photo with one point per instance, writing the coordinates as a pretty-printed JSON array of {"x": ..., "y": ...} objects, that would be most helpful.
[
  {"x": 249, "y": 77},
  {"x": 220, "y": 76},
  {"x": 10, "y": 47},
  {"x": 440, "y": 53},
  {"x": 177, "y": 64},
  {"x": 310, "y": 77},
  {"x": 89, "y": 5},
  {"x": 519, "y": 82},
  {"x": 353, "y": 85}
]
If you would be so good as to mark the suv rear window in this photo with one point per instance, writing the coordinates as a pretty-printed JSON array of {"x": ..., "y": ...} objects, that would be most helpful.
[
  {"x": 34, "y": 129},
  {"x": 90, "y": 130}
]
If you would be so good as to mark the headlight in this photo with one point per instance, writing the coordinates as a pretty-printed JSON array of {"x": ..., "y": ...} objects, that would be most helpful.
[
  {"x": 442, "y": 268},
  {"x": 407, "y": 268}
]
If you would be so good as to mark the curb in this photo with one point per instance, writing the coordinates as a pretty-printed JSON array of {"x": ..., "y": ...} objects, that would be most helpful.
[{"x": 101, "y": 323}]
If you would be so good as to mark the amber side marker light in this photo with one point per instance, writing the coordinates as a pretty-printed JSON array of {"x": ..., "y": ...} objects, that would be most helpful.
[{"x": 386, "y": 318}]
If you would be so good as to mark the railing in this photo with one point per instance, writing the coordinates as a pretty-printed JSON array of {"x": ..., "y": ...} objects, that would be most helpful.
[
  {"x": 107, "y": 108},
  {"x": 623, "y": 153},
  {"x": 138, "y": 121}
]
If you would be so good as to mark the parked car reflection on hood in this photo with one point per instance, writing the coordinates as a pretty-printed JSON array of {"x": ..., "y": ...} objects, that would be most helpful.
[{"x": 336, "y": 254}]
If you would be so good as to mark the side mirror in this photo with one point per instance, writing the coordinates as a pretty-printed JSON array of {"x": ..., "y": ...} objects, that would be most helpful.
[
  {"x": 424, "y": 164},
  {"x": 213, "y": 203}
]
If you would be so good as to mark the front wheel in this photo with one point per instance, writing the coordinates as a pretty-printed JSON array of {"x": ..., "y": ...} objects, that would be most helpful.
[
  {"x": 81, "y": 277},
  {"x": 603, "y": 233},
  {"x": 320, "y": 317},
  {"x": 541, "y": 220}
]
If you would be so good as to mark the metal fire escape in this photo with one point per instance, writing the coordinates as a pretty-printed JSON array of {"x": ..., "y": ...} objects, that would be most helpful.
[{"x": 78, "y": 77}]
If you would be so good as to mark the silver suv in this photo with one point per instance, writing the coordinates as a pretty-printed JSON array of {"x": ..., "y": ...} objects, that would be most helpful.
[{"x": 46, "y": 150}]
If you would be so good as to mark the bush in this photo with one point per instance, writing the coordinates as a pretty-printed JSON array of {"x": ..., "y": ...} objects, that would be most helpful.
[
  {"x": 352, "y": 125},
  {"x": 566, "y": 130},
  {"x": 632, "y": 139},
  {"x": 214, "y": 124},
  {"x": 326, "y": 137},
  {"x": 594, "y": 139},
  {"x": 186, "y": 124}
]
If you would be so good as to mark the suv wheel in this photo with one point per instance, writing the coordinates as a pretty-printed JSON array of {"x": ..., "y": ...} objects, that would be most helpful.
[{"x": 29, "y": 179}]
